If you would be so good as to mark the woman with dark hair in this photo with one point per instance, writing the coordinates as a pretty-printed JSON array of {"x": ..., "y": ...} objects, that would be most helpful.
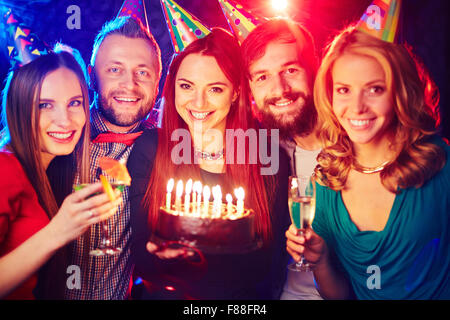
[
  {"x": 202, "y": 97},
  {"x": 44, "y": 140},
  {"x": 383, "y": 201}
]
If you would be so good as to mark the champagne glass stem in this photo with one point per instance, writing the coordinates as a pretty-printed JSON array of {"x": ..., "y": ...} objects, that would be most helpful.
[
  {"x": 105, "y": 232},
  {"x": 303, "y": 264},
  {"x": 302, "y": 261}
]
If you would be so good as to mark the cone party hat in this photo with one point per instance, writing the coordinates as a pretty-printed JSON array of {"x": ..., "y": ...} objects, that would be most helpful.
[
  {"x": 23, "y": 45},
  {"x": 136, "y": 10},
  {"x": 183, "y": 26},
  {"x": 381, "y": 19},
  {"x": 241, "y": 21}
]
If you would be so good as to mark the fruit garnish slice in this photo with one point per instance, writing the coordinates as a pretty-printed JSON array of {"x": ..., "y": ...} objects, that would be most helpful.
[
  {"x": 115, "y": 169},
  {"x": 107, "y": 188}
]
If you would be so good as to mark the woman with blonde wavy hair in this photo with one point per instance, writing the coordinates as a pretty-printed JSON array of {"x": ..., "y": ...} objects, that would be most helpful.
[{"x": 382, "y": 225}]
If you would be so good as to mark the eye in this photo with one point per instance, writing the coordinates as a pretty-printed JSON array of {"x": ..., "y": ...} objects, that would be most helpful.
[
  {"x": 377, "y": 90},
  {"x": 75, "y": 103},
  {"x": 185, "y": 86},
  {"x": 44, "y": 105},
  {"x": 261, "y": 78},
  {"x": 142, "y": 73},
  {"x": 291, "y": 70},
  {"x": 216, "y": 90},
  {"x": 113, "y": 70},
  {"x": 342, "y": 90}
]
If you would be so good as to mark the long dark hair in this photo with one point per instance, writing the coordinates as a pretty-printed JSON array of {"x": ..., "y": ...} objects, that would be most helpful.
[{"x": 221, "y": 45}]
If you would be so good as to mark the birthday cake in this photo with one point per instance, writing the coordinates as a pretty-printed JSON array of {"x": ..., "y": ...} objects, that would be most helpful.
[{"x": 212, "y": 231}]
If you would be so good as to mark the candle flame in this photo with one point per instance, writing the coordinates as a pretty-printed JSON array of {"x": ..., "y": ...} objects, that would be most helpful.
[
  {"x": 206, "y": 193},
  {"x": 294, "y": 184},
  {"x": 239, "y": 193},
  {"x": 170, "y": 185},
  {"x": 179, "y": 188},
  {"x": 189, "y": 186},
  {"x": 197, "y": 187},
  {"x": 217, "y": 193},
  {"x": 229, "y": 197}
]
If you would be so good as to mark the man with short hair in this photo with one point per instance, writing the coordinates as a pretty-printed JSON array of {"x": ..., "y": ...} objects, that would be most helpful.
[
  {"x": 125, "y": 70},
  {"x": 281, "y": 65}
]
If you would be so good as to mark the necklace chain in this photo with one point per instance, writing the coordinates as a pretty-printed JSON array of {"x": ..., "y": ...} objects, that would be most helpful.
[
  {"x": 368, "y": 170},
  {"x": 208, "y": 155}
]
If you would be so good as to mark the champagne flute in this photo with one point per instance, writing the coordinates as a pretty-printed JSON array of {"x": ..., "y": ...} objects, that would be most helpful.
[{"x": 302, "y": 207}]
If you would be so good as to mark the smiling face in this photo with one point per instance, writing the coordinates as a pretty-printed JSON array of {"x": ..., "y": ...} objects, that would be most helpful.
[
  {"x": 361, "y": 100},
  {"x": 203, "y": 94},
  {"x": 279, "y": 86},
  {"x": 126, "y": 71},
  {"x": 61, "y": 114}
]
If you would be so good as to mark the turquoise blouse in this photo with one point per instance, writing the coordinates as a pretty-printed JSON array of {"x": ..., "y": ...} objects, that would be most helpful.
[{"x": 409, "y": 258}]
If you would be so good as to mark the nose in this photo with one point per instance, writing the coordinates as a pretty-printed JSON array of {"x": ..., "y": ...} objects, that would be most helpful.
[
  {"x": 358, "y": 103},
  {"x": 198, "y": 100},
  {"x": 280, "y": 86},
  {"x": 62, "y": 117},
  {"x": 127, "y": 80}
]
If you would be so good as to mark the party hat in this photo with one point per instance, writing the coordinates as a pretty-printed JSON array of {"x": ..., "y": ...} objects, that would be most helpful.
[
  {"x": 136, "y": 10},
  {"x": 241, "y": 21},
  {"x": 381, "y": 19},
  {"x": 22, "y": 44},
  {"x": 183, "y": 26}
]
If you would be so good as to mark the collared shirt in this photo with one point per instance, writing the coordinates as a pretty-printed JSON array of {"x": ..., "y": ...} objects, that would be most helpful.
[{"x": 107, "y": 277}]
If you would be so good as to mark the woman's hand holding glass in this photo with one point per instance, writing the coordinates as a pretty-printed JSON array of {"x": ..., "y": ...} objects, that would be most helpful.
[
  {"x": 309, "y": 244},
  {"x": 80, "y": 210}
]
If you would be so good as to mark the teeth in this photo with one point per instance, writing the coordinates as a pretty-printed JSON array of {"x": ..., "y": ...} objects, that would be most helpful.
[
  {"x": 359, "y": 122},
  {"x": 283, "y": 104},
  {"x": 126, "y": 99},
  {"x": 60, "y": 135},
  {"x": 200, "y": 115}
]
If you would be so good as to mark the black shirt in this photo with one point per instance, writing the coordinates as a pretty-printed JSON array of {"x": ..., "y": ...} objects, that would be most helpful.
[{"x": 258, "y": 274}]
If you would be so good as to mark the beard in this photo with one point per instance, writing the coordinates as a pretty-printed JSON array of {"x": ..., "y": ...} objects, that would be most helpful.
[
  {"x": 123, "y": 119},
  {"x": 300, "y": 124}
]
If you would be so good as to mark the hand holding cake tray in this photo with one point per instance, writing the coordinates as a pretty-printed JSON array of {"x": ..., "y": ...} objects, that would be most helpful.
[{"x": 210, "y": 226}]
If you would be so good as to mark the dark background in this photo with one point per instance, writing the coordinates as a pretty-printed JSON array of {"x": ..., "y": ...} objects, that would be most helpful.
[{"x": 425, "y": 25}]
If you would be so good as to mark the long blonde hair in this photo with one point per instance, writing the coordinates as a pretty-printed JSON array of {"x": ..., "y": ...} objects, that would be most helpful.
[{"x": 415, "y": 98}]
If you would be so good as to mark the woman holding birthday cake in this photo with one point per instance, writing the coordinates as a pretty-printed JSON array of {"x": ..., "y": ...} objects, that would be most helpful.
[{"x": 202, "y": 105}]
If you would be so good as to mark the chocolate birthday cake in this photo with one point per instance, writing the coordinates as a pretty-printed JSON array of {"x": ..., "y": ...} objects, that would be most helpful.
[{"x": 214, "y": 231}]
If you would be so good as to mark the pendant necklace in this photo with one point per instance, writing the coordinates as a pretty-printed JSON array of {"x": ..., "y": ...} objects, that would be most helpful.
[{"x": 208, "y": 155}]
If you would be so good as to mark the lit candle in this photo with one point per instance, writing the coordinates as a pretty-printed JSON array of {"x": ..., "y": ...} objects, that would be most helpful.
[
  {"x": 179, "y": 192},
  {"x": 198, "y": 189},
  {"x": 229, "y": 199},
  {"x": 214, "y": 194},
  {"x": 217, "y": 195},
  {"x": 206, "y": 195},
  {"x": 219, "y": 201},
  {"x": 187, "y": 196},
  {"x": 240, "y": 194},
  {"x": 169, "y": 193}
]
